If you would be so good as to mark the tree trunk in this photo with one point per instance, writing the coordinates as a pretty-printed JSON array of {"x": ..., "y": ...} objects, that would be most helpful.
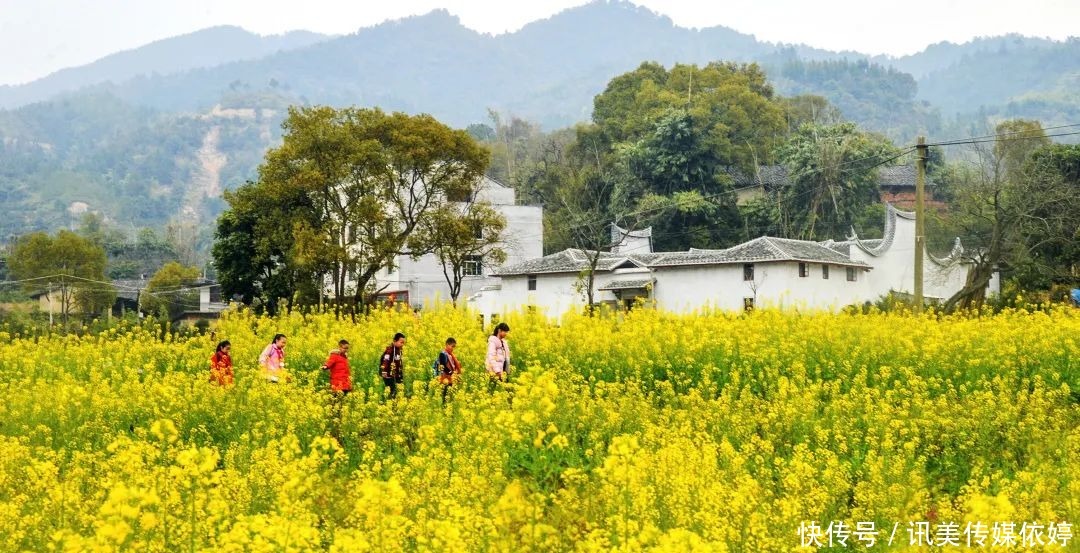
[
  {"x": 590, "y": 281},
  {"x": 973, "y": 294}
]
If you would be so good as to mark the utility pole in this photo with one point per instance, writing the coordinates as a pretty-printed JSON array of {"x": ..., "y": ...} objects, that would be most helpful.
[{"x": 920, "y": 219}]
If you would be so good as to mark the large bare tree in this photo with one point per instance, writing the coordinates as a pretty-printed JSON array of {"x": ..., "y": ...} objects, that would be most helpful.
[{"x": 1006, "y": 204}]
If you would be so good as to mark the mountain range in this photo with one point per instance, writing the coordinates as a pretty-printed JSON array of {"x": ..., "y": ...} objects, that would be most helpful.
[{"x": 160, "y": 130}]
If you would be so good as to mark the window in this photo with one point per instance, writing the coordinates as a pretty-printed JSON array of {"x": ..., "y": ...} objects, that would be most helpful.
[
  {"x": 478, "y": 231},
  {"x": 532, "y": 283},
  {"x": 748, "y": 304},
  {"x": 851, "y": 275},
  {"x": 804, "y": 270},
  {"x": 825, "y": 272},
  {"x": 473, "y": 266},
  {"x": 748, "y": 271}
]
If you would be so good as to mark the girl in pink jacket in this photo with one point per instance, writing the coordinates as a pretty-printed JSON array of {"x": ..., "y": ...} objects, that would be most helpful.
[
  {"x": 498, "y": 354},
  {"x": 272, "y": 359}
]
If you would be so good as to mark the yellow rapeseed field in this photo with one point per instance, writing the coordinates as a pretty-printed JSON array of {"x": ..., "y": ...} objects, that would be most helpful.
[{"x": 638, "y": 432}]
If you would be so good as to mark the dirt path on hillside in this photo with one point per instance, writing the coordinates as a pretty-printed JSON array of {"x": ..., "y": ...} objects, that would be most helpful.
[{"x": 206, "y": 181}]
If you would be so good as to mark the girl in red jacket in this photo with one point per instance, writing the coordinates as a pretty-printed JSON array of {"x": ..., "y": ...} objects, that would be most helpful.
[{"x": 221, "y": 370}]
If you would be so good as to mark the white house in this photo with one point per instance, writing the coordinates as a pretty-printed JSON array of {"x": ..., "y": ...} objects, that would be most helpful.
[
  {"x": 421, "y": 280},
  {"x": 766, "y": 271}
]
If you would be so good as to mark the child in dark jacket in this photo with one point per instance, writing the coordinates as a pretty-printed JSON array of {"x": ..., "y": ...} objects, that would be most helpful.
[
  {"x": 449, "y": 368},
  {"x": 390, "y": 366}
]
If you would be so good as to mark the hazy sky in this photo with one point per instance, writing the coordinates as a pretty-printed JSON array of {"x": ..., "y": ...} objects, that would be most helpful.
[{"x": 38, "y": 37}]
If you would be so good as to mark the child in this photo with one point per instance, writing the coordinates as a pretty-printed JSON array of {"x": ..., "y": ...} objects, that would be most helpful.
[
  {"x": 338, "y": 365},
  {"x": 221, "y": 369},
  {"x": 272, "y": 359},
  {"x": 498, "y": 354},
  {"x": 449, "y": 368},
  {"x": 390, "y": 367}
]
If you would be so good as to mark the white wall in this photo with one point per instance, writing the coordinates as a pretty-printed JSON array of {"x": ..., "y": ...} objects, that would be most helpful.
[
  {"x": 894, "y": 269},
  {"x": 687, "y": 288},
  {"x": 523, "y": 239}
]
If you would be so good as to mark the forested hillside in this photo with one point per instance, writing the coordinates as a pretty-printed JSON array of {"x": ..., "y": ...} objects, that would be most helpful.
[{"x": 155, "y": 134}]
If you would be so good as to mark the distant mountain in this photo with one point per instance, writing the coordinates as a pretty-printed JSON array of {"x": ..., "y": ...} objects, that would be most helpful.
[
  {"x": 205, "y": 48},
  {"x": 1002, "y": 75},
  {"x": 158, "y": 132},
  {"x": 943, "y": 55},
  {"x": 548, "y": 71}
]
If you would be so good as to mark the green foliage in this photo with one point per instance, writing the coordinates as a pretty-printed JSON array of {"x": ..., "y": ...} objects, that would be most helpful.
[
  {"x": 68, "y": 266},
  {"x": 1014, "y": 207},
  {"x": 873, "y": 96},
  {"x": 169, "y": 291},
  {"x": 1054, "y": 254},
  {"x": 996, "y": 77},
  {"x": 833, "y": 175},
  {"x": 347, "y": 192},
  {"x": 726, "y": 108},
  {"x": 667, "y": 141},
  {"x": 459, "y": 232},
  {"x": 130, "y": 166}
]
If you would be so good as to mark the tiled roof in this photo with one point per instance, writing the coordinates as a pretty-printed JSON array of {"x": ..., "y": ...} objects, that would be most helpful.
[
  {"x": 843, "y": 247},
  {"x": 129, "y": 288},
  {"x": 899, "y": 175},
  {"x": 627, "y": 284},
  {"x": 761, "y": 249},
  {"x": 618, "y": 233},
  {"x": 757, "y": 250},
  {"x": 566, "y": 261}
]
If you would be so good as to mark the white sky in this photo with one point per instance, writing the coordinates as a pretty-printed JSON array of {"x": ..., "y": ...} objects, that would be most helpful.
[{"x": 38, "y": 37}]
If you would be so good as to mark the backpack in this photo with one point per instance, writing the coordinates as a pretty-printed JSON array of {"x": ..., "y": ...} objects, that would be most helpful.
[{"x": 435, "y": 370}]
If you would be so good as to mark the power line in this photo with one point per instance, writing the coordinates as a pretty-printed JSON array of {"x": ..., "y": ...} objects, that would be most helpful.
[
  {"x": 527, "y": 237},
  {"x": 984, "y": 140},
  {"x": 970, "y": 138}
]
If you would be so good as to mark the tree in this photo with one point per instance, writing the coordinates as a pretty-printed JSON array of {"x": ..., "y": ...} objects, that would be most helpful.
[
  {"x": 481, "y": 132},
  {"x": 1009, "y": 205},
  {"x": 254, "y": 244},
  {"x": 462, "y": 233},
  {"x": 511, "y": 142},
  {"x": 671, "y": 141},
  {"x": 342, "y": 197},
  {"x": 68, "y": 265},
  {"x": 1055, "y": 256},
  {"x": 588, "y": 220},
  {"x": 170, "y": 291},
  {"x": 808, "y": 108},
  {"x": 833, "y": 172},
  {"x": 730, "y": 108}
]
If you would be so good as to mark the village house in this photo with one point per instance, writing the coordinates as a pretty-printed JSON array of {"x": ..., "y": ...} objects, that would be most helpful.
[
  {"x": 419, "y": 281},
  {"x": 128, "y": 292},
  {"x": 763, "y": 272}
]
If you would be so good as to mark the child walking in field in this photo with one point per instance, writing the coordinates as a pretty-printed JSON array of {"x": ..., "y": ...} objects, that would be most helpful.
[
  {"x": 272, "y": 359},
  {"x": 449, "y": 368},
  {"x": 498, "y": 354},
  {"x": 390, "y": 365},
  {"x": 338, "y": 366},
  {"x": 221, "y": 369},
  {"x": 340, "y": 384}
]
